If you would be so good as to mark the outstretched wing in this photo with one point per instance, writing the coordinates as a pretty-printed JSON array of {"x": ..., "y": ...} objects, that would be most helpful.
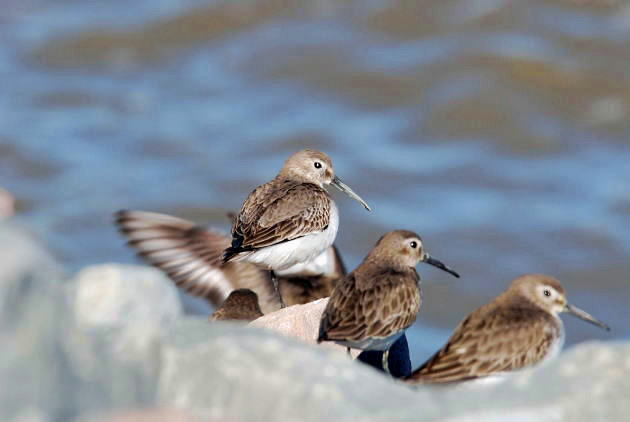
[{"x": 191, "y": 256}]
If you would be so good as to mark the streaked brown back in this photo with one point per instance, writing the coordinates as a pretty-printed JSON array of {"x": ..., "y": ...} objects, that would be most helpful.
[
  {"x": 389, "y": 305},
  {"x": 497, "y": 337},
  {"x": 281, "y": 210}
]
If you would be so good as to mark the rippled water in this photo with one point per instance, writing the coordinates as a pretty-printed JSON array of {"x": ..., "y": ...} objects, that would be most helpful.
[{"x": 497, "y": 129}]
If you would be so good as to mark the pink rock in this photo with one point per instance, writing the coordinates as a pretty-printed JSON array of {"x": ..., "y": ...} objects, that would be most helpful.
[
  {"x": 7, "y": 204},
  {"x": 298, "y": 321}
]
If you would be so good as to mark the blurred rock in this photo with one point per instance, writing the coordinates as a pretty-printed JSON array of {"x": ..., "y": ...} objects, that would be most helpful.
[
  {"x": 126, "y": 307},
  {"x": 143, "y": 415},
  {"x": 115, "y": 295},
  {"x": 244, "y": 374},
  {"x": 22, "y": 256},
  {"x": 7, "y": 204},
  {"x": 50, "y": 369}
]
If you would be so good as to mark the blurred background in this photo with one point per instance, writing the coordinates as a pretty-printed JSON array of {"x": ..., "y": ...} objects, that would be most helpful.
[{"x": 497, "y": 129}]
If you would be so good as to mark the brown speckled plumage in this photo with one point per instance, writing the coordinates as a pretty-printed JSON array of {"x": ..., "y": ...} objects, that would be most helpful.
[
  {"x": 380, "y": 298},
  {"x": 375, "y": 302},
  {"x": 241, "y": 305},
  {"x": 191, "y": 256},
  {"x": 278, "y": 211},
  {"x": 519, "y": 328}
]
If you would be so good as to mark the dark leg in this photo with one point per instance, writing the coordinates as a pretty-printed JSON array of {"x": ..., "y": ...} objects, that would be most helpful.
[
  {"x": 386, "y": 361},
  {"x": 274, "y": 280},
  {"x": 349, "y": 354}
]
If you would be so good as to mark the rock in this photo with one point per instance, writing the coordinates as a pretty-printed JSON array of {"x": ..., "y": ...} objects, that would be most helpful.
[
  {"x": 115, "y": 295},
  {"x": 125, "y": 307},
  {"x": 7, "y": 204},
  {"x": 51, "y": 370},
  {"x": 297, "y": 321},
  {"x": 242, "y": 374},
  {"x": 143, "y": 415},
  {"x": 22, "y": 256}
]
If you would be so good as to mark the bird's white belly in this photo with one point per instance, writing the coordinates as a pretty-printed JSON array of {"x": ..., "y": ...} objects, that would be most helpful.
[
  {"x": 556, "y": 347},
  {"x": 283, "y": 256},
  {"x": 324, "y": 263}
]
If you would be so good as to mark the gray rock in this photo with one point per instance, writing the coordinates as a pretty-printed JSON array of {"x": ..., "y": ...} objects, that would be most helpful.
[
  {"x": 112, "y": 295},
  {"x": 143, "y": 415},
  {"x": 50, "y": 369},
  {"x": 21, "y": 255},
  {"x": 237, "y": 373}
]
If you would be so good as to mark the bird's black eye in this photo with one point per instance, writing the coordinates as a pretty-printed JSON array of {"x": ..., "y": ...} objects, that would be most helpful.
[
  {"x": 413, "y": 244},
  {"x": 317, "y": 165},
  {"x": 546, "y": 292}
]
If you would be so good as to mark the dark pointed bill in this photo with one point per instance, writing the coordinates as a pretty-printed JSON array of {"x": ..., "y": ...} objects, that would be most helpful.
[
  {"x": 573, "y": 310},
  {"x": 437, "y": 263},
  {"x": 336, "y": 182}
]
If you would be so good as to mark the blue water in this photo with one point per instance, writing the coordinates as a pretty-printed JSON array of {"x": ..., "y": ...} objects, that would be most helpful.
[{"x": 496, "y": 130}]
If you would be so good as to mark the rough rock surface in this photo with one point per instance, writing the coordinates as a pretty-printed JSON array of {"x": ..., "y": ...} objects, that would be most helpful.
[
  {"x": 54, "y": 368},
  {"x": 50, "y": 369},
  {"x": 242, "y": 374},
  {"x": 115, "y": 295},
  {"x": 298, "y": 321}
]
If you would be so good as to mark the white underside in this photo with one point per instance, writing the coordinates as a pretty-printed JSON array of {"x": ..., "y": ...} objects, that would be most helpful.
[
  {"x": 283, "y": 256},
  {"x": 324, "y": 263},
  {"x": 380, "y": 344},
  {"x": 557, "y": 345}
]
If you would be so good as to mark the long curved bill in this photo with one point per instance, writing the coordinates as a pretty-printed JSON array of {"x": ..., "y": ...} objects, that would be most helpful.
[
  {"x": 336, "y": 182},
  {"x": 437, "y": 263},
  {"x": 573, "y": 310}
]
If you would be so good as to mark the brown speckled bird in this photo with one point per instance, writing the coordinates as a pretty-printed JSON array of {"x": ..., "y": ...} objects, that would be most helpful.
[
  {"x": 291, "y": 219},
  {"x": 241, "y": 305},
  {"x": 191, "y": 255},
  {"x": 519, "y": 328},
  {"x": 372, "y": 306}
]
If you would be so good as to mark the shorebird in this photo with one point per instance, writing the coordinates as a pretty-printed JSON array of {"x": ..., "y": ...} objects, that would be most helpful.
[
  {"x": 291, "y": 219},
  {"x": 372, "y": 306},
  {"x": 191, "y": 255},
  {"x": 519, "y": 328},
  {"x": 241, "y": 305}
]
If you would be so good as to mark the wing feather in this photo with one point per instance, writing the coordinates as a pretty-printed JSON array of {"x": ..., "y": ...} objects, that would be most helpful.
[
  {"x": 490, "y": 341},
  {"x": 284, "y": 211},
  {"x": 387, "y": 307}
]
